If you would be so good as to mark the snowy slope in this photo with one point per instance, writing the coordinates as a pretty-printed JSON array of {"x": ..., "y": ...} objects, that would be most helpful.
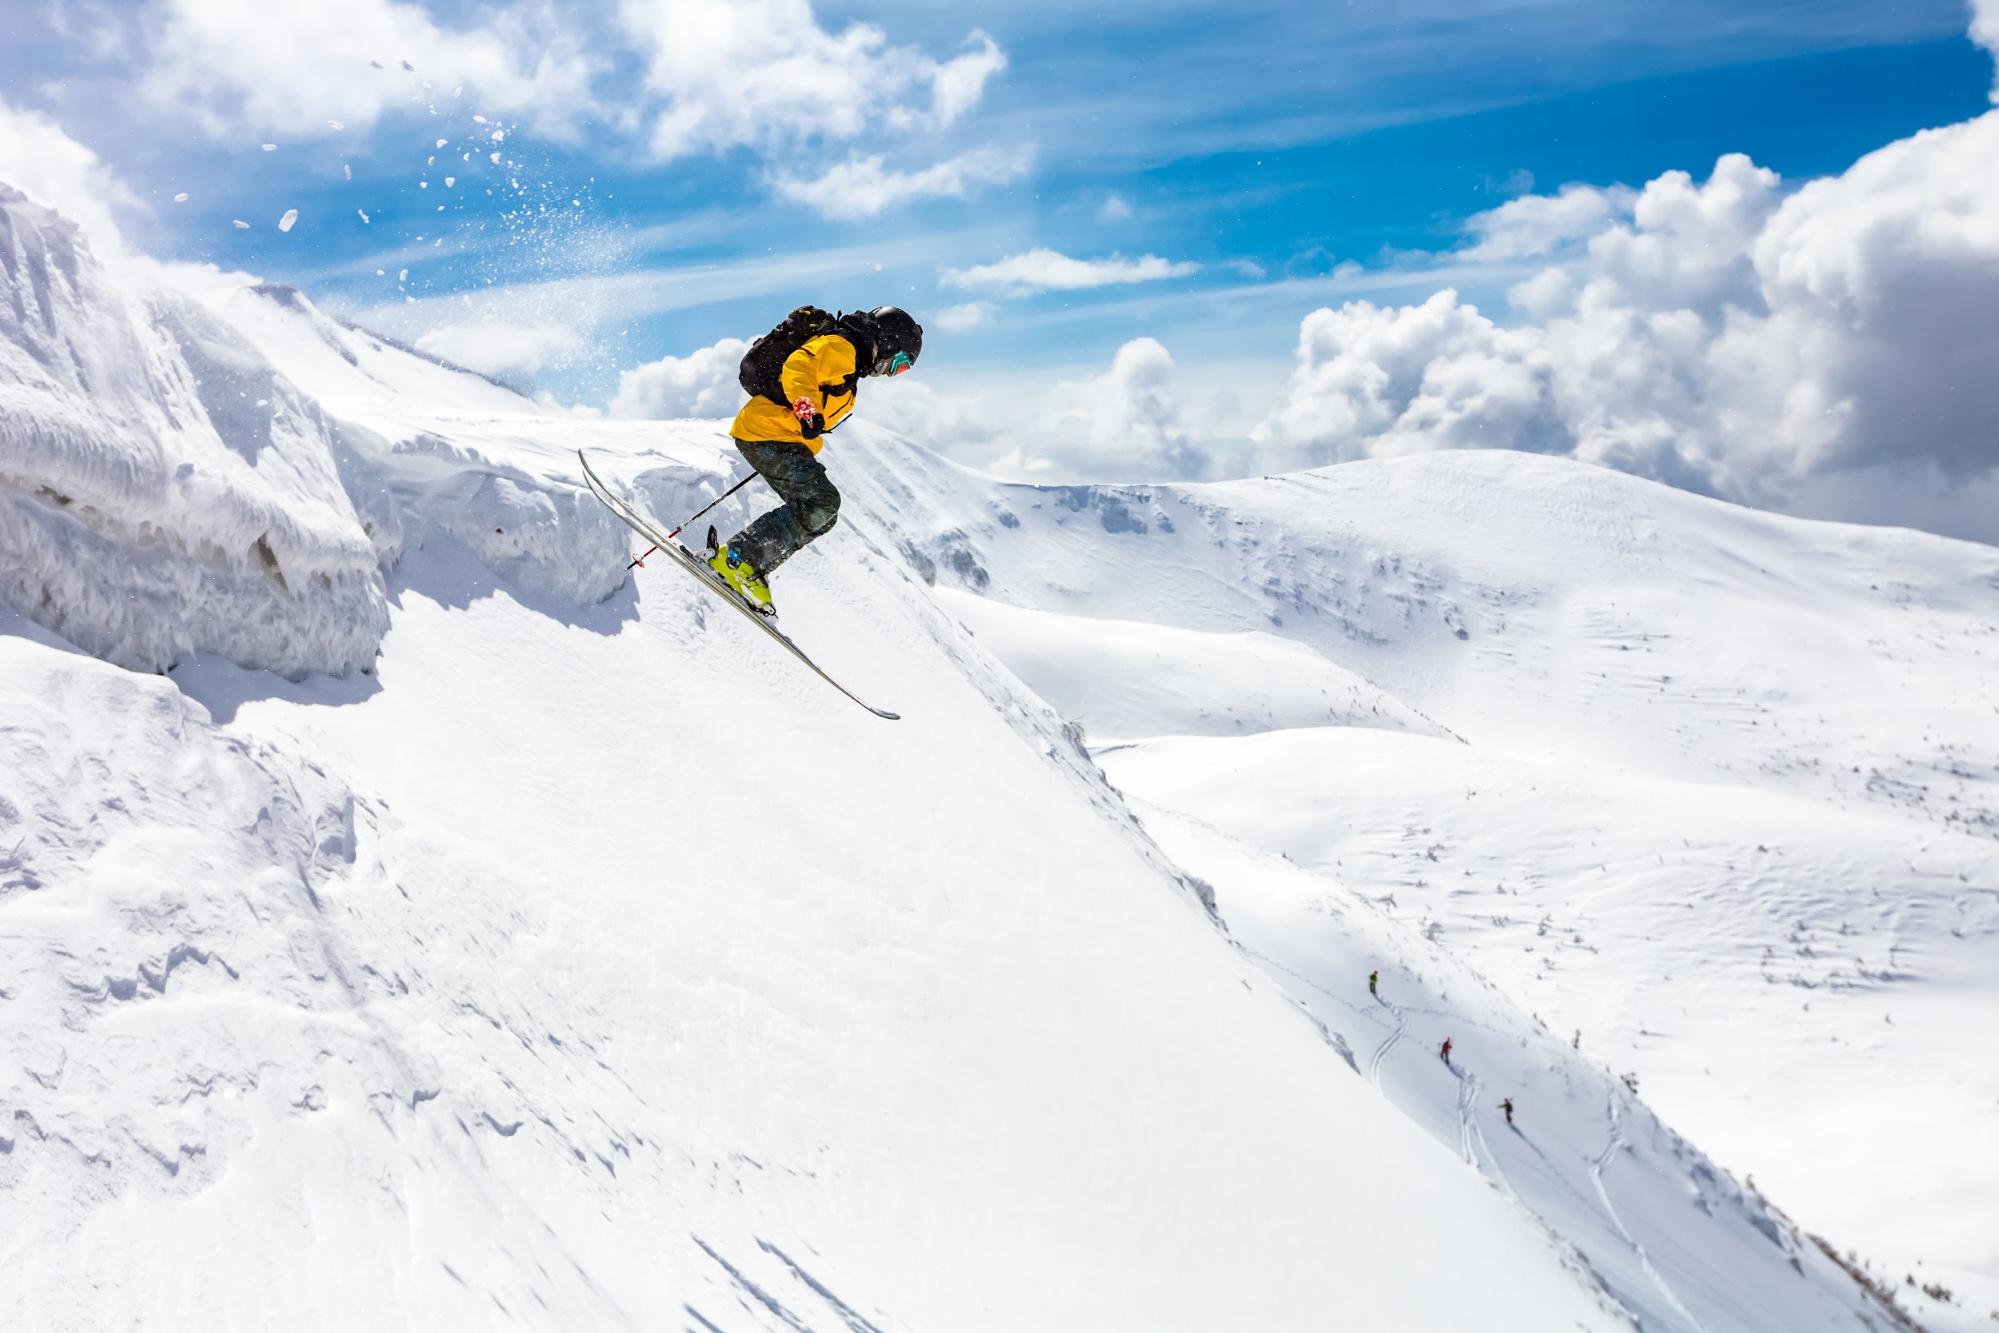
[
  {"x": 586, "y": 964},
  {"x": 161, "y": 489},
  {"x": 1717, "y": 790},
  {"x": 477, "y": 1001}
]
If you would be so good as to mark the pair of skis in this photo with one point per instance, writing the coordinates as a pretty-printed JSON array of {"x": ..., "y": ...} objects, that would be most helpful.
[{"x": 666, "y": 545}]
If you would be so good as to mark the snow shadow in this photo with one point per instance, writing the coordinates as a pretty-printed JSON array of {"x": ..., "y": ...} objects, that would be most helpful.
[
  {"x": 223, "y": 687},
  {"x": 446, "y": 571}
]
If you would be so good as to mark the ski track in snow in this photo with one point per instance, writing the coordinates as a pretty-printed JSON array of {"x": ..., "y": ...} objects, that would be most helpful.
[
  {"x": 1491, "y": 1164},
  {"x": 1467, "y": 1091},
  {"x": 1600, "y": 1164},
  {"x": 1388, "y": 1044}
]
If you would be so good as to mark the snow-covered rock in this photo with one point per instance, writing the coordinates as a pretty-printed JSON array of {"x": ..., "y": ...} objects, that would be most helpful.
[{"x": 162, "y": 490}]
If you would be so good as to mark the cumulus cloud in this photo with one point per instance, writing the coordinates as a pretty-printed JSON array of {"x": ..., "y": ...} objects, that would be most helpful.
[
  {"x": 1722, "y": 337},
  {"x": 504, "y": 349},
  {"x": 40, "y": 159},
  {"x": 863, "y": 186},
  {"x": 292, "y": 69},
  {"x": 701, "y": 384},
  {"x": 963, "y": 426},
  {"x": 1985, "y": 31},
  {"x": 1539, "y": 224},
  {"x": 1129, "y": 423},
  {"x": 764, "y": 74},
  {"x": 1041, "y": 270}
]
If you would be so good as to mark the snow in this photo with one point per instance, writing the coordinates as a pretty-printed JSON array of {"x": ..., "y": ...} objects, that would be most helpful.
[
  {"x": 1714, "y": 787},
  {"x": 286, "y": 222},
  {"x": 161, "y": 490},
  {"x": 550, "y": 946}
]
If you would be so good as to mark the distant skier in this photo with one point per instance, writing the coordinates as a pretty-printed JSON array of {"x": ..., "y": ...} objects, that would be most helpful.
[
  {"x": 1374, "y": 980},
  {"x": 1507, "y": 1106},
  {"x": 802, "y": 378},
  {"x": 1444, "y": 1053}
]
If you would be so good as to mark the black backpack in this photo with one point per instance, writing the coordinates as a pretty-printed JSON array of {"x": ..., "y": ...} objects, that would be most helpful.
[{"x": 763, "y": 364}]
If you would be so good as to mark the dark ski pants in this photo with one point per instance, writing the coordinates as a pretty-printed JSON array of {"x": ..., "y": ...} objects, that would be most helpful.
[{"x": 811, "y": 505}]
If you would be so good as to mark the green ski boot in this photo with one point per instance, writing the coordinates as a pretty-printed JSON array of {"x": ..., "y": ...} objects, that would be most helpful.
[{"x": 739, "y": 575}]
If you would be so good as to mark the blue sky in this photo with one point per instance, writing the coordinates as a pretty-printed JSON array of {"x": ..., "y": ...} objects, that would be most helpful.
[{"x": 1253, "y": 148}]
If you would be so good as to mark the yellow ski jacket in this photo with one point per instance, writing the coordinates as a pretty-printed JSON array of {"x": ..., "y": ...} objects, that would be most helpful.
[{"x": 822, "y": 372}]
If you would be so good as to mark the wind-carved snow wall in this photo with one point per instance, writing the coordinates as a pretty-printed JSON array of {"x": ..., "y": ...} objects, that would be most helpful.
[{"x": 162, "y": 488}]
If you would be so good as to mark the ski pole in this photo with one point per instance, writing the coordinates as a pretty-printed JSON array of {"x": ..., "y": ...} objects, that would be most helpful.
[{"x": 639, "y": 562}]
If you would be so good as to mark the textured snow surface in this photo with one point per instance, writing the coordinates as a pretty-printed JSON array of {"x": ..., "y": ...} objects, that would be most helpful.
[
  {"x": 161, "y": 489},
  {"x": 585, "y": 964},
  {"x": 1715, "y": 789}
]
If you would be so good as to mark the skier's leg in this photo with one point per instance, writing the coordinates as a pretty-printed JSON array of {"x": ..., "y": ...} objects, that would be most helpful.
[{"x": 811, "y": 504}]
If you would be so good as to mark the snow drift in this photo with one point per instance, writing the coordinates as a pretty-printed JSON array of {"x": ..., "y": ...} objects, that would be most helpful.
[{"x": 161, "y": 489}]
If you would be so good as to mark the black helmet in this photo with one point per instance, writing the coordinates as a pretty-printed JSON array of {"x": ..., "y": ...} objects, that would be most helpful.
[{"x": 895, "y": 333}]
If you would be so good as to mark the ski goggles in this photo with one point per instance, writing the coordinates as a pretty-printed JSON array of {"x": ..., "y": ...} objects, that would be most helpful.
[{"x": 894, "y": 365}]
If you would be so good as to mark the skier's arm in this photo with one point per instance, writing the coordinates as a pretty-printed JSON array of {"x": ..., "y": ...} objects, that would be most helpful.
[
  {"x": 824, "y": 364},
  {"x": 800, "y": 380}
]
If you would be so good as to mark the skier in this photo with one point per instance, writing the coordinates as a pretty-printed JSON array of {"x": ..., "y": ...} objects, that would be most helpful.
[
  {"x": 1507, "y": 1106},
  {"x": 1445, "y": 1052},
  {"x": 1373, "y": 980},
  {"x": 802, "y": 378}
]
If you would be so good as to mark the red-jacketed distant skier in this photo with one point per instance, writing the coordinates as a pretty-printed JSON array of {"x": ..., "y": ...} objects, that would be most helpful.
[{"x": 802, "y": 378}]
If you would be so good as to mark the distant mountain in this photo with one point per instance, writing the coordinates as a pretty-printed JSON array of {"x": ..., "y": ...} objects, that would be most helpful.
[{"x": 1717, "y": 788}]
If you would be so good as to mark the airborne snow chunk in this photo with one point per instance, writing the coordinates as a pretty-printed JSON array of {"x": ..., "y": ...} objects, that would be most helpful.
[{"x": 290, "y": 217}]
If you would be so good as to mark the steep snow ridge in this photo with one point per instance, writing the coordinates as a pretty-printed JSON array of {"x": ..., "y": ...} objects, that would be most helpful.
[
  {"x": 1679, "y": 1243},
  {"x": 444, "y": 449},
  {"x": 160, "y": 489},
  {"x": 632, "y": 1066},
  {"x": 362, "y": 372},
  {"x": 1727, "y": 805}
]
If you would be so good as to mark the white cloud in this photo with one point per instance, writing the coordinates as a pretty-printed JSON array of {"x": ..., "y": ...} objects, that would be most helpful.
[
  {"x": 963, "y": 426},
  {"x": 862, "y": 187},
  {"x": 764, "y": 74},
  {"x": 1126, "y": 425},
  {"x": 40, "y": 159},
  {"x": 504, "y": 349},
  {"x": 1985, "y": 31},
  {"x": 1042, "y": 269},
  {"x": 960, "y": 318},
  {"x": 1767, "y": 349},
  {"x": 701, "y": 384},
  {"x": 1115, "y": 208},
  {"x": 290, "y": 69},
  {"x": 1539, "y": 224},
  {"x": 1131, "y": 422}
]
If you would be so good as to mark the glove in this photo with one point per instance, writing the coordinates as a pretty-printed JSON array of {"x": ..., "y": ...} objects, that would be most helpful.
[{"x": 810, "y": 423}]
